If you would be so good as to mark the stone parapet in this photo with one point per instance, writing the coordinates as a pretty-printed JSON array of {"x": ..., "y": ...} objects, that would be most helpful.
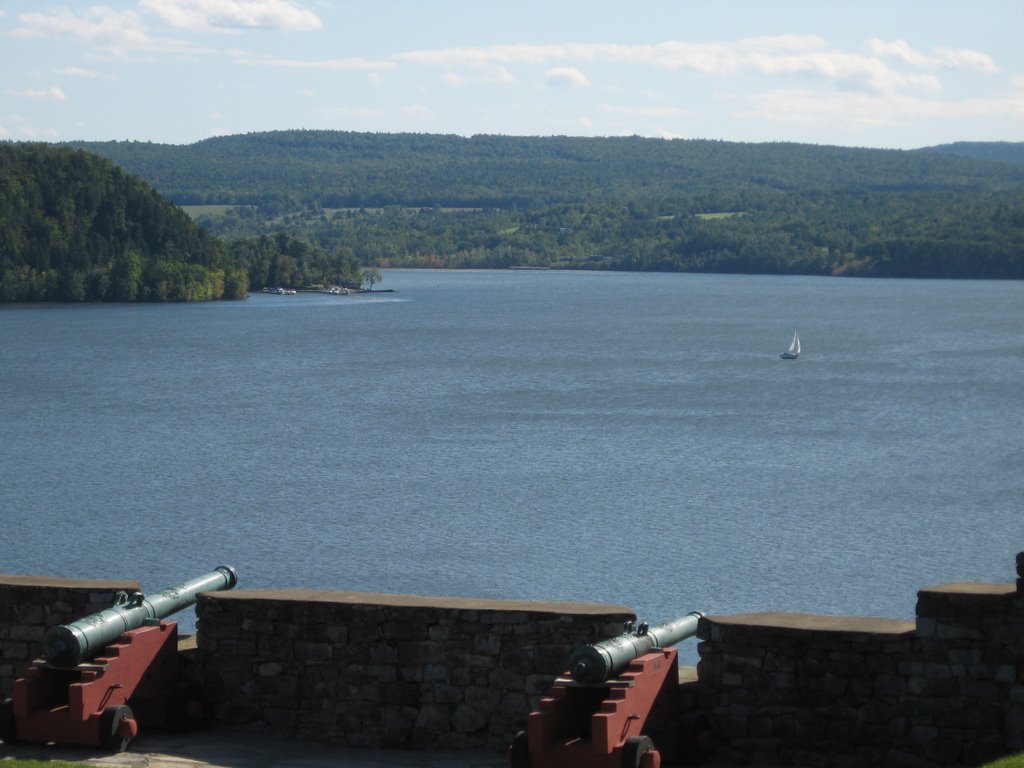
[
  {"x": 786, "y": 687},
  {"x": 387, "y": 670},
  {"x": 799, "y": 689},
  {"x": 429, "y": 673}
]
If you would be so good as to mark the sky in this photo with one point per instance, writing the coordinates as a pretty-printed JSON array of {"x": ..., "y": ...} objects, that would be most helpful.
[{"x": 893, "y": 74}]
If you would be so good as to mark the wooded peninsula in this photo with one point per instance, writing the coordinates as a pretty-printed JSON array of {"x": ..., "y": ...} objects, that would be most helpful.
[{"x": 107, "y": 221}]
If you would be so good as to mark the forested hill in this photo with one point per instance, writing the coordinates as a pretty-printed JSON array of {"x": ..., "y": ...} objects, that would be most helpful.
[
  {"x": 614, "y": 203},
  {"x": 996, "y": 151},
  {"x": 335, "y": 169},
  {"x": 76, "y": 227}
]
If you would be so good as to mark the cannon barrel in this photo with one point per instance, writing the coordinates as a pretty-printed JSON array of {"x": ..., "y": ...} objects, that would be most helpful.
[
  {"x": 600, "y": 661},
  {"x": 68, "y": 645}
]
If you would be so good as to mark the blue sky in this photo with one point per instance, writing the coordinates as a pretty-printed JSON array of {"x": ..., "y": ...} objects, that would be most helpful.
[{"x": 863, "y": 73}]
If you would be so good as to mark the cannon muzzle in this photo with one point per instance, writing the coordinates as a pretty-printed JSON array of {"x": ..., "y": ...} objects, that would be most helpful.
[
  {"x": 600, "y": 661},
  {"x": 68, "y": 645}
]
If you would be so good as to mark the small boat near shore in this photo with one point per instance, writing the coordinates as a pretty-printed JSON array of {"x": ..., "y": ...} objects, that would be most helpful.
[{"x": 793, "y": 350}]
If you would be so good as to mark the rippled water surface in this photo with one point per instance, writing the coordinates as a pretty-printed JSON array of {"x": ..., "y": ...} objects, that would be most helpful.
[{"x": 623, "y": 438}]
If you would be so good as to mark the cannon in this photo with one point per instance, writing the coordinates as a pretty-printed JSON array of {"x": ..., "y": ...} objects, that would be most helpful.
[
  {"x": 68, "y": 645},
  {"x": 101, "y": 676},
  {"x": 597, "y": 662},
  {"x": 615, "y": 693}
]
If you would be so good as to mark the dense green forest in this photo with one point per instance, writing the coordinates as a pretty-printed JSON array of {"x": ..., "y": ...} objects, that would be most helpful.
[
  {"x": 76, "y": 227},
  {"x": 299, "y": 208},
  {"x": 611, "y": 203}
]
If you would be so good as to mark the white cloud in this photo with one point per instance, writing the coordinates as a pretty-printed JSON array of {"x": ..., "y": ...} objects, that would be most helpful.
[
  {"x": 79, "y": 72},
  {"x": 418, "y": 112},
  {"x": 772, "y": 56},
  {"x": 120, "y": 32},
  {"x": 900, "y": 49},
  {"x": 644, "y": 111},
  {"x": 53, "y": 93},
  {"x": 37, "y": 134},
  {"x": 943, "y": 58},
  {"x": 351, "y": 112},
  {"x": 502, "y": 75},
  {"x": 101, "y": 26},
  {"x": 495, "y": 76},
  {"x": 233, "y": 15},
  {"x": 326, "y": 64},
  {"x": 566, "y": 76},
  {"x": 800, "y": 106},
  {"x": 959, "y": 58},
  {"x": 928, "y": 83},
  {"x": 710, "y": 58}
]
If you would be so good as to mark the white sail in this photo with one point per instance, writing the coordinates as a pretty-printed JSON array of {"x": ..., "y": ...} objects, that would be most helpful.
[{"x": 793, "y": 351}]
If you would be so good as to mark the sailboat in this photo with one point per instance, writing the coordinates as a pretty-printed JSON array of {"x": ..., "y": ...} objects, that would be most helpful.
[{"x": 793, "y": 351}]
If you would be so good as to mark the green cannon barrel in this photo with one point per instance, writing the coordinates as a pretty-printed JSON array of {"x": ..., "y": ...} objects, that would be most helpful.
[
  {"x": 600, "y": 661},
  {"x": 68, "y": 645}
]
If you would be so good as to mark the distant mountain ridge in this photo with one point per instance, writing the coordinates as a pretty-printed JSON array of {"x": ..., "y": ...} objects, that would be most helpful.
[
  {"x": 612, "y": 203},
  {"x": 347, "y": 169},
  {"x": 996, "y": 151}
]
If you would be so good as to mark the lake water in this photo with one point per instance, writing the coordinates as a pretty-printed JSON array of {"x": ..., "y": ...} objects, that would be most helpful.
[{"x": 606, "y": 437}]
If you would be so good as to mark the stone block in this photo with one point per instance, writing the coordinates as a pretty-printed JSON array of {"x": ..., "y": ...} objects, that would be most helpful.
[
  {"x": 489, "y": 644},
  {"x": 269, "y": 669},
  {"x": 506, "y": 680},
  {"x": 890, "y": 685},
  {"x": 400, "y": 693},
  {"x": 421, "y": 652},
  {"x": 466, "y": 719},
  {"x": 433, "y": 717},
  {"x": 552, "y": 659},
  {"x": 396, "y": 721},
  {"x": 979, "y": 689},
  {"x": 27, "y": 633},
  {"x": 447, "y": 694},
  {"x": 435, "y": 673},
  {"x": 312, "y": 652},
  {"x": 485, "y": 699}
]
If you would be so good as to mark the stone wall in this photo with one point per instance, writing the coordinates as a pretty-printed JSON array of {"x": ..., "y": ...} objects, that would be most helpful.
[
  {"x": 416, "y": 672},
  {"x": 386, "y": 670},
  {"x": 821, "y": 690},
  {"x": 31, "y": 604}
]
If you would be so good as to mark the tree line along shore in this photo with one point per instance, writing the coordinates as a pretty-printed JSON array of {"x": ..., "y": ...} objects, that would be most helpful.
[{"x": 132, "y": 221}]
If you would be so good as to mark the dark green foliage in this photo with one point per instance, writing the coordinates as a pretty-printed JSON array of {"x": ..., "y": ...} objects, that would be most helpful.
[
  {"x": 997, "y": 151},
  {"x": 613, "y": 203},
  {"x": 76, "y": 227},
  {"x": 295, "y": 170},
  {"x": 281, "y": 260}
]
